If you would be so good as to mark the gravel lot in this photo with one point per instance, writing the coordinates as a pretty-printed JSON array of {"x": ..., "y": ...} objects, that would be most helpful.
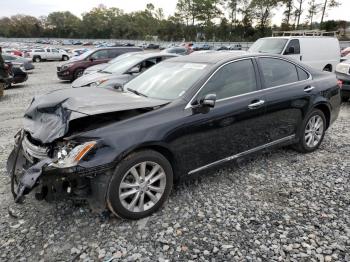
[{"x": 279, "y": 206}]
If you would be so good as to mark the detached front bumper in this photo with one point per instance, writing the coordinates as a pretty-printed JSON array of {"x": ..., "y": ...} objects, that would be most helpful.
[{"x": 51, "y": 183}]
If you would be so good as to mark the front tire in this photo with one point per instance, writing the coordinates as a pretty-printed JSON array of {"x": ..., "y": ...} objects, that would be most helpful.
[
  {"x": 140, "y": 185},
  {"x": 78, "y": 73},
  {"x": 312, "y": 132}
]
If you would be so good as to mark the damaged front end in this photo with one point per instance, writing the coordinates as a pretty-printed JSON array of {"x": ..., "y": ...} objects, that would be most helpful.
[
  {"x": 69, "y": 146},
  {"x": 53, "y": 171}
]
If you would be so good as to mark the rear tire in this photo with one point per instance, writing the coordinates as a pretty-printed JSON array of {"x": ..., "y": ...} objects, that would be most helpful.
[
  {"x": 312, "y": 132},
  {"x": 65, "y": 58},
  {"x": 140, "y": 185}
]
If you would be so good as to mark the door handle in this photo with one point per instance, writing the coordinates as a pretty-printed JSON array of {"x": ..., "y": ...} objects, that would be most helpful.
[
  {"x": 256, "y": 104},
  {"x": 308, "y": 89}
]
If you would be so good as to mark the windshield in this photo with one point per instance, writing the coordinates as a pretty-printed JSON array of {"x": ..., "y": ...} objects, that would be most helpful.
[
  {"x": 167, "y": 80},
  {"x": 85, "y": 55},
  {"x": 122, "y": 65},
  {"x": 120, "y": 57},
  {"x": 268, "y": 45}
]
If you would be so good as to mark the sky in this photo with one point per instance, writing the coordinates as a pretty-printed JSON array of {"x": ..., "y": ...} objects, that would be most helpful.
[{"x": 77, "y": 7}]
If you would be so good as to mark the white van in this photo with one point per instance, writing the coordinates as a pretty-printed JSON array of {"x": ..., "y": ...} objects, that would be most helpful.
[{"x": 319, "y": 52}]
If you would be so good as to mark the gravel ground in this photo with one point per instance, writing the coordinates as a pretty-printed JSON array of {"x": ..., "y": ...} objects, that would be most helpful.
[{"x": 278, "y": 206}]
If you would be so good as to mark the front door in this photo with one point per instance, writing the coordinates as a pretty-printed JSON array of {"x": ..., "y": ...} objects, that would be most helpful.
[
  {"x": 235, "y": 125},
  {"x": 292, "y": 50}
]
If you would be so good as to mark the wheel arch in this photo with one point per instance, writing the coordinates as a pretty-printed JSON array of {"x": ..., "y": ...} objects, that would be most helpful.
[
  {"x": 328, "y": 66},
  {"x": 326, "y": 111},
  {"x": 158, "y": 147}
]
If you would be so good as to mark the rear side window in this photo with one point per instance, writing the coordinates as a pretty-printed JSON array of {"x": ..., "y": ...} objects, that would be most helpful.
[
  {"x": 39, "y": 51},
  {"x": 233, "y": 79},
  {"x": 302, "y": 74},
  {"x": 278, "y": 72}
]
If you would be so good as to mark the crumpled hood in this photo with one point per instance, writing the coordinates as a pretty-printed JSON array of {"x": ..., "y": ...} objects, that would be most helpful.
[{"x": 48, "y": 116}]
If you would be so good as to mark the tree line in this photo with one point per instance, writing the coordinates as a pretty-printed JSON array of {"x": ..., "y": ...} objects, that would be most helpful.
[{"x": 217, "y": 20}]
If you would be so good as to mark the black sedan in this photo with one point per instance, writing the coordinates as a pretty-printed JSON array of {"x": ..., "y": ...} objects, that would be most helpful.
[
  {"x": 122, "y": 150},
  {"x": 25, "y": 64},
  {"x": 16, "y": 74}
]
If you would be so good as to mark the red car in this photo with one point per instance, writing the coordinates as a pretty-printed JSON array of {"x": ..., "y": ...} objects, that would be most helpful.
[{"x": 13, "y": 52}]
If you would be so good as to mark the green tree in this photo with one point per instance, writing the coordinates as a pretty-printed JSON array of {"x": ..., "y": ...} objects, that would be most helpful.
[
  {"x": 63, "y": 24},
  {"x": 328, "y": 4}
]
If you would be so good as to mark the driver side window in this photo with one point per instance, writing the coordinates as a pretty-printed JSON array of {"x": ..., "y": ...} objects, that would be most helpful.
[{"x": 233, "y": 79}]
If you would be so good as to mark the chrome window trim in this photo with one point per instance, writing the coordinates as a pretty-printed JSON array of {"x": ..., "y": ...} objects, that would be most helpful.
[
  {"x": 255, "y": 149},
  {"x": 269, "y": 88}
]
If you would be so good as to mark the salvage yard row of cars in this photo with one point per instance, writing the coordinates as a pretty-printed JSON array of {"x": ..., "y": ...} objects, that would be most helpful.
[{"x": 135, "y": 123}]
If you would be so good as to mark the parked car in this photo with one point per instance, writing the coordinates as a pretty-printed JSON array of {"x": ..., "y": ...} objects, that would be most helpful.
[
  {"x": 345, "y": 58},
  {"x": 235, "y": 47},
  {"x": 322, "y": 53},
  {"x": 12, "y": 51},
  {"x": 179, "y": 50},
  {"x": 345, "y": 51},
  {"x": 152, "y": 46},
  {"x": 24, "y": 63},
  {"x": 99, "y": 67},
  {"x": 16, "y": 74},
  {"x": 183, "y": 117},
  {"x": 199, "y": 47},
  {"x": 75, "y": 67},
  {"x": 39, "y": 54},
  {"x": 343, "y": 74},
  {"x": 221, "y": 48},
  {"x": 117, "y": 74}
]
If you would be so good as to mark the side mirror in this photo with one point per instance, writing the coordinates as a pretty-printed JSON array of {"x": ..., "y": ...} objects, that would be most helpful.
[
  {"x": 134, "y": 70},
  {"x": 208, "y": 101},
  {"x": 203, "y": 105}
]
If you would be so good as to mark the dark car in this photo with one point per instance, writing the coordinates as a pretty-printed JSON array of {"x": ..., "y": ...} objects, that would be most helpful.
[
  {"x": 179, "y": 50},
  {"x": 152, "y": 46},
  {"x": 75, "y": 67},
  {"x": 24, "y": 63},
  {"x": 343, "y": 74},
  {"x": 123, "y": 150},
  {"x": 16, "y": 74},
  {"x": 122, "y": 71}
]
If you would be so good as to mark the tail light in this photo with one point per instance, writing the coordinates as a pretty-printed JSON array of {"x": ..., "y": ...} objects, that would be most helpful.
[{"x": 340, "y": 83}]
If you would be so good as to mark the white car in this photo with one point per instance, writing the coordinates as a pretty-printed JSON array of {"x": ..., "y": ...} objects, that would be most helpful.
[
  {"x": 39, "y": 54},
  {"x": 319, "y": 52}
]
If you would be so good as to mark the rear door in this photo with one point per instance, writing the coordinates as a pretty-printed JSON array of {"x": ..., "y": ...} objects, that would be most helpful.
[
  {"x": 234, "y": 126},
  {"x": 288, "y": 91}
]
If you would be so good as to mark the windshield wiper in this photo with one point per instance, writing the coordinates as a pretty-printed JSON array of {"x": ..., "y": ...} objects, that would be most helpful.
[
  {"x": 136, "y": 92},
  {"x": 102, "y": 71}
]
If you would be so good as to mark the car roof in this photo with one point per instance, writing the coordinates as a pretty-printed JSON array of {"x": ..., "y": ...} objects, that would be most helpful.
[
  {"x": 153, "y": 54},
  {"x": 211, "y": 57}
]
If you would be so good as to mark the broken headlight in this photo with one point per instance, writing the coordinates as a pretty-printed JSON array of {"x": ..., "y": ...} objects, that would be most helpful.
[
  {"x": 69, "y": 155},
  {"x": 97, "y": 83}
]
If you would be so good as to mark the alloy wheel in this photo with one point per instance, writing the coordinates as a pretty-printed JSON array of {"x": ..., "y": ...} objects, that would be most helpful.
[
  {"x": 142, "y": 186},
  {"x": 314, "y": 131}
]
